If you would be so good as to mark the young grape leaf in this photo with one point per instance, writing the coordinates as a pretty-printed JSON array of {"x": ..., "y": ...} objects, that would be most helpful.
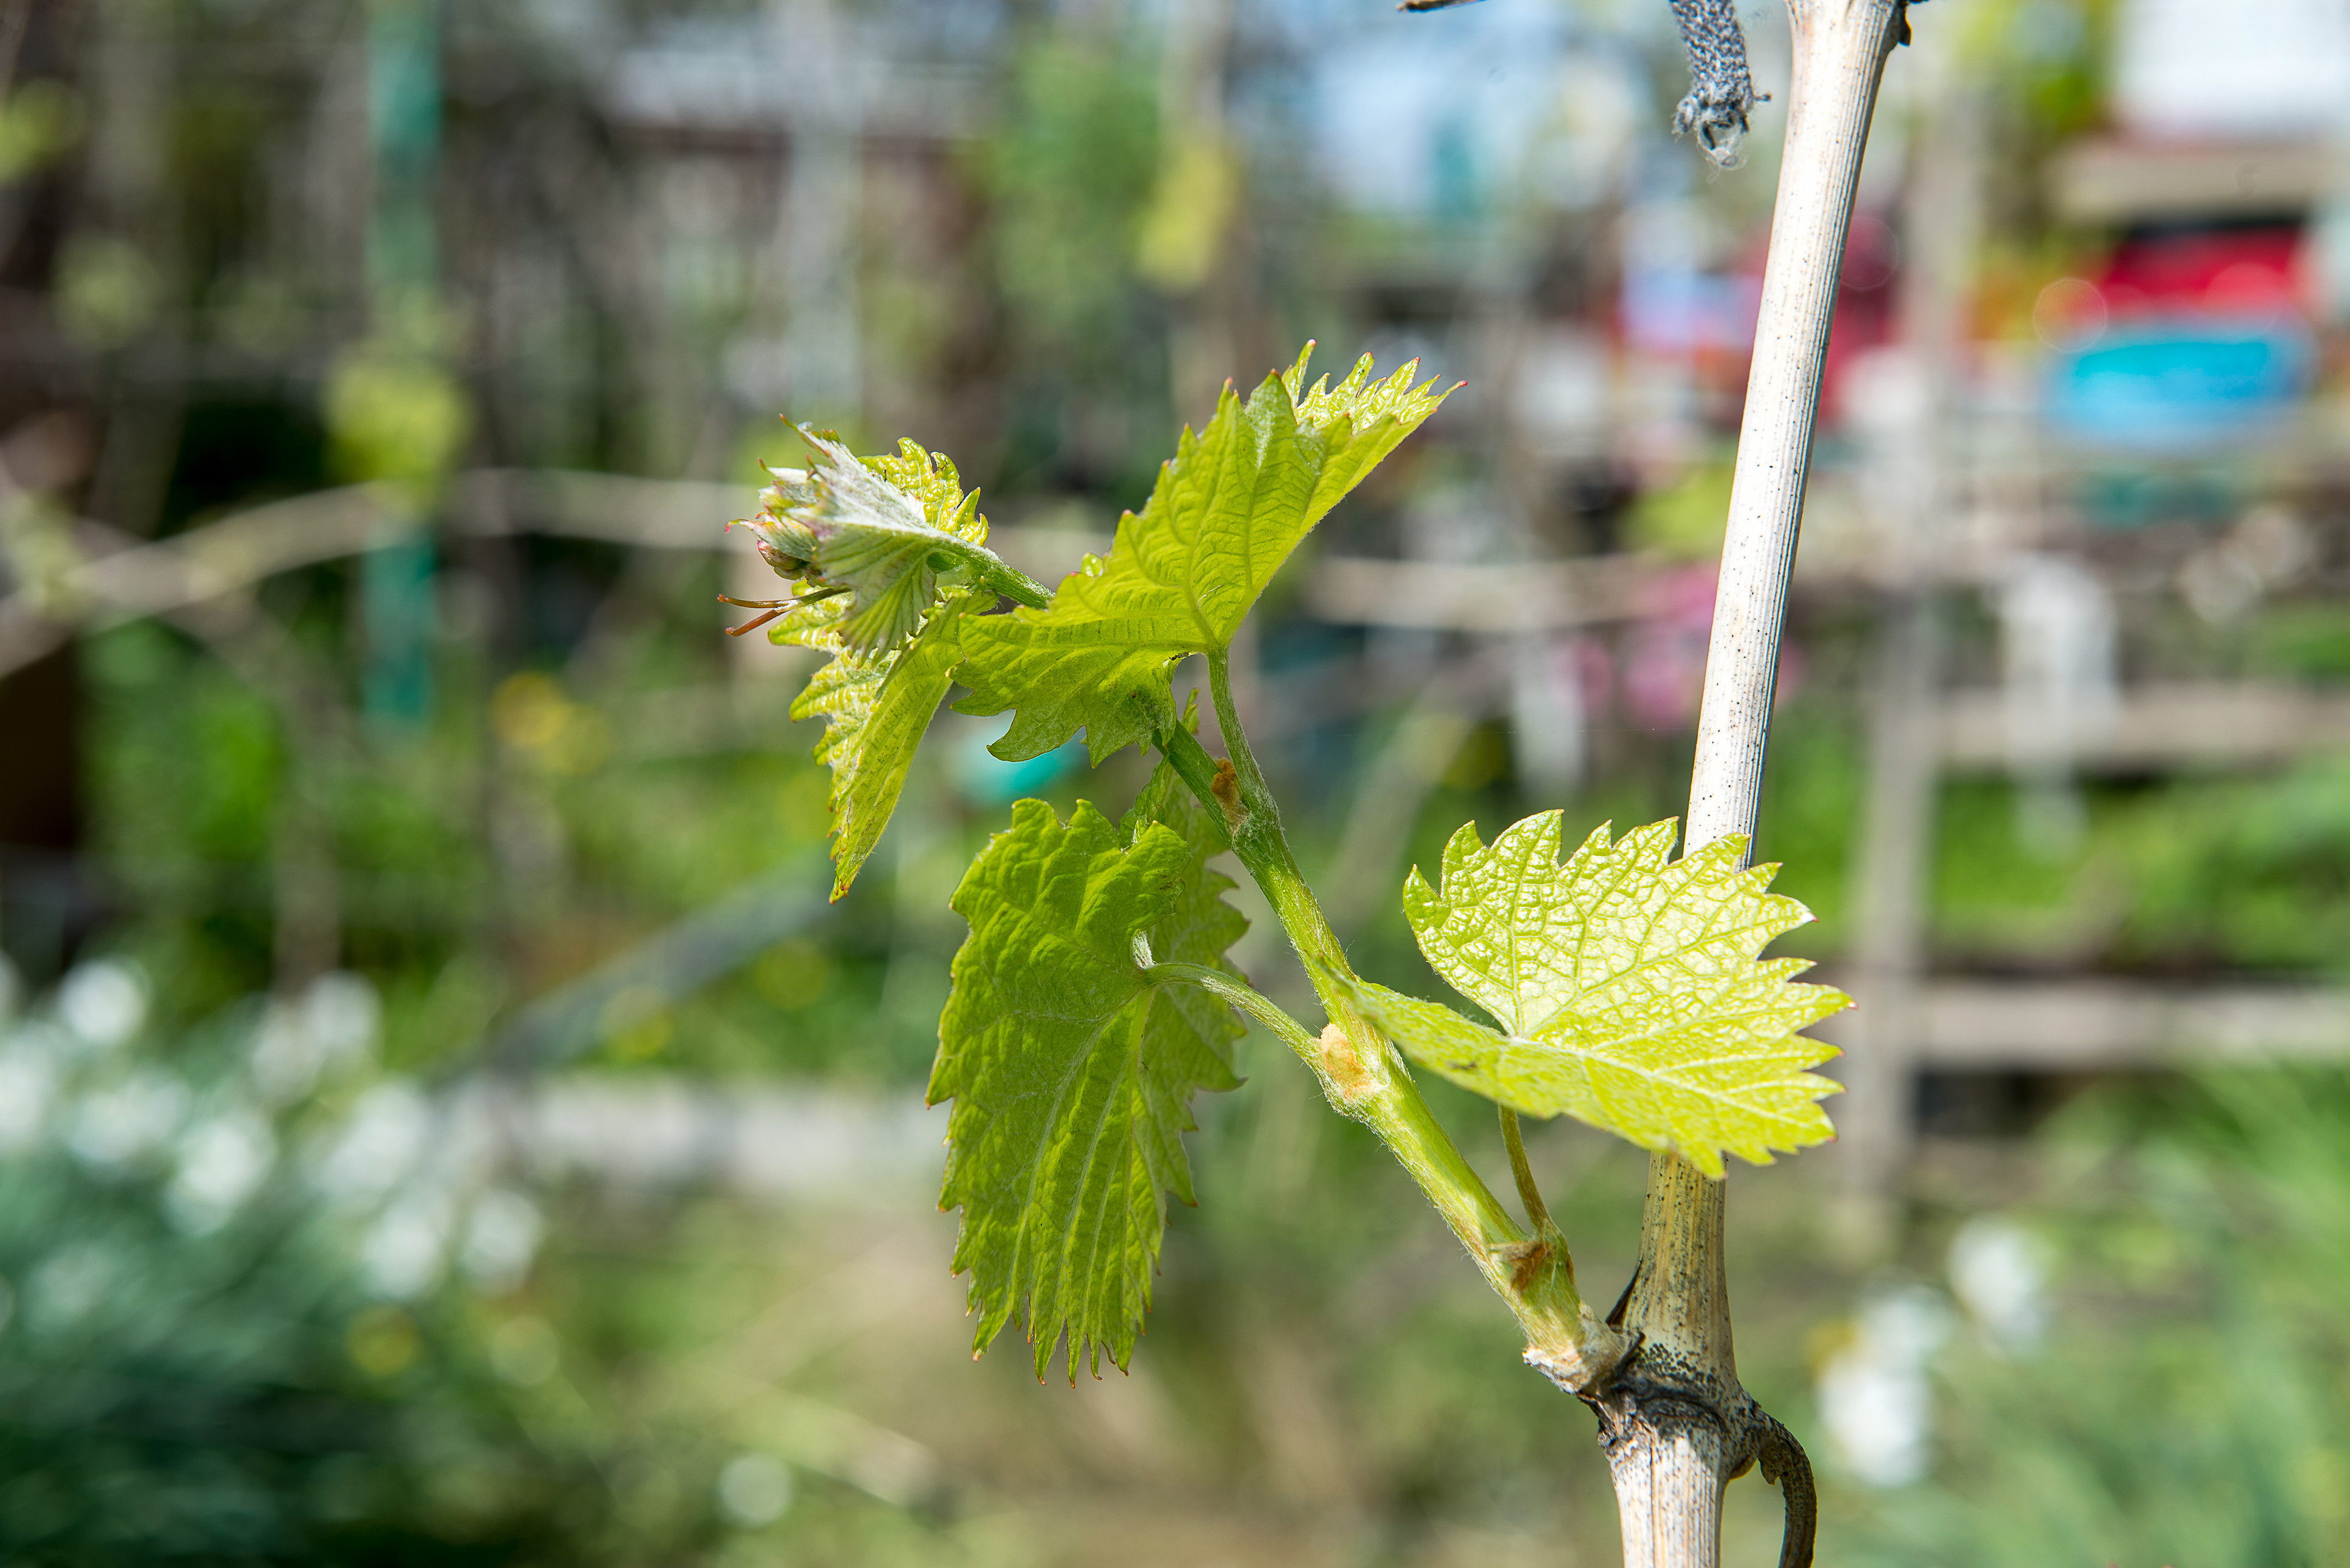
[
  {"x": 1181, "y": 575},
  {"x": 1377, "y": 414},
  {"x": 875, "y": 707},
  {"x": 1629, "y": 989},
  {"x": 1199, "y": 926},
  {"x": 893, "y": 532},
  {"x": 1072, "y": 1071},
  {"x": 901, "y": 548}
]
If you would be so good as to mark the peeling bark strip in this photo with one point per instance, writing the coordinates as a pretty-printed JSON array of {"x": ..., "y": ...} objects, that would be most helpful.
[
  {"x": 1788, "y": 1468},
  {"x": 1722, "y": 88},
  {"x": 1676, "y": 1424}
]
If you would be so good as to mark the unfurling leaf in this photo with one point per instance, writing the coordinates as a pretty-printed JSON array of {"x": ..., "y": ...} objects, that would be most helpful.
[
  {"x": 1181, "y": 575},
  {"x": 875, "y": 707},
  {"x": 1072, "y": 1069},
  {"x": 1628, "y": 988},
  {"x": 892, "y": 534},
  {"x": 896, "y": 553}
]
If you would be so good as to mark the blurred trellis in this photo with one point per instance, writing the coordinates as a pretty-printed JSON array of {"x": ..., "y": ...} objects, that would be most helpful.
[{"x": 474, "y": 1152}]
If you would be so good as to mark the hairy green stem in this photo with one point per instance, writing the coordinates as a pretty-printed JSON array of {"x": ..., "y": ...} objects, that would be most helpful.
[
  {"x": 1366, "y": 1081},
  {"x": 1537, "y": 1212},
  {"x": 1244, "y": 997},
  {"x": 1015, "y": 585}
]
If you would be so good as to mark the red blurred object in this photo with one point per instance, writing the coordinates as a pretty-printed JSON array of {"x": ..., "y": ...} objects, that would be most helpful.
[{"x": 2255, "y": 270}]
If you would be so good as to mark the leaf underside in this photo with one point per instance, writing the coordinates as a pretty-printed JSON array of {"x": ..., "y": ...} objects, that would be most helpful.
[
  {"x": 1181, "y": 575},
  {"x": 1072, "y": 1071},
  {"x": 895, "y": 533},
  {"x": 876, "y": 709},
  {"x": 1628, "y": 987},
  {"x": 875, "y": 527}
]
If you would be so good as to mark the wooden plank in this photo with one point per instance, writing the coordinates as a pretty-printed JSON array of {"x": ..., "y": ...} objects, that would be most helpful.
[
  {"x": 1518, "y": 595},
  {"x": 2113, "y": 181},
  {"x": 1892, "y": 874},
  {"x": 2159, "y": 727},
  {"x": 2088, "y": 1025}
]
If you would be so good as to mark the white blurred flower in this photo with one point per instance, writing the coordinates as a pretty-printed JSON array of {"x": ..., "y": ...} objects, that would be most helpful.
[
  {"x": 380, "y": 1144},
  {"x": 344, "y": 1015},
  {"x": 330, "y": 1027},
  {"x": 222, "y": 1162},
  {"x": 753, "y": 1489},
  {"x": 501, "y": 1241},
  {"x": 2000, "y": 1274},
  {"x": 284, "y": 1065},
  {"x": 28, "y": 1085},
  {"x": 407, "y": 1247},
  {"x": 103, "y": 1001},
  {"x": 67, "y": 1283},
  {"x": 113, "y": 1126},
  {"x": 1874, "y": 1398}
]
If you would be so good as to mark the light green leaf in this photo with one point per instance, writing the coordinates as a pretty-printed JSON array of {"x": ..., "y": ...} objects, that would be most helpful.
[
  {"x": 1199, "y": 926},
  {"x": 1377, "y": 414},
  {"x": 875, "y": 707},
  {"x": 901, "y": 549},
  {"x": 1628, "y": 988},
  {"x": 891, "y": 533},
  {"x": 1181, "y": 575},
  {"x": 1072, "y": 1071}
]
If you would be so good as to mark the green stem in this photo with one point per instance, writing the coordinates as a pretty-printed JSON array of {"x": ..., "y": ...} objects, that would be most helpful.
[
  {"x": 1245, "y": 998},
  {"x": 1196, "y": 769},
  {"x": 1537, "y": 1212},
  {"x": 1015, "y": 585},
  {"x": 1361, "y": 1076}
]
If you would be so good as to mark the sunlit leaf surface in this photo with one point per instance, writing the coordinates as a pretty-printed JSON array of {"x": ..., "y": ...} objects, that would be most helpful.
[
  {"x": 1629, "y": 988},
  {"x": 1072, "y": 1071}
]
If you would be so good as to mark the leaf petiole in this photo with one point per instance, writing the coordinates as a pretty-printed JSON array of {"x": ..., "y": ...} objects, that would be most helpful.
[
  {"x": 1014, "y": 585},
  {"x": 1537, "y": 1212},
  {"x": 1251, "y": 1002},
  {"x": 1362, "y": 1077}
]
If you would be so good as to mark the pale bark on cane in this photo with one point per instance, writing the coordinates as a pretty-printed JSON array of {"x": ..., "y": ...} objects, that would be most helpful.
[{"x": 1677, "y": 1426}]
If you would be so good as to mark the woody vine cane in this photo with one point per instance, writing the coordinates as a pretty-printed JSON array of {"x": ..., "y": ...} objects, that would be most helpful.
[
  {"x": 1678, "y": 1427},
  {"x": 1092, "y": 1000}
]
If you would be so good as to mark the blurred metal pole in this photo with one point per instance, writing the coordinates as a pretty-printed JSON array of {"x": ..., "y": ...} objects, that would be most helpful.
[
  {"x": 1893, "y": 890},
  {"x": 658, "y": 973},
  {"x": 403, "y": 263}
]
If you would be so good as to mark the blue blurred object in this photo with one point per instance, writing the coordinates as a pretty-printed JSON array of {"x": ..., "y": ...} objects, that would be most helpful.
[
  {"x": 985, "y": 779},
  {"x": 396, "y": 590},
  {"x": 2125, "y": 494},
  {"x": 2193, "y": 382}
]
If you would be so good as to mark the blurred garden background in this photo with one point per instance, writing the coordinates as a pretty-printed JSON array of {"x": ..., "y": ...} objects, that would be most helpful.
[{"x": 441, "y": 1118}]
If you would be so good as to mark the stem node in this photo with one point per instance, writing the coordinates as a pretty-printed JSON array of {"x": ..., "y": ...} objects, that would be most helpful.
[
  {"x": 1226, "y": 787},
  {"x": 1349, "y": 1081}
]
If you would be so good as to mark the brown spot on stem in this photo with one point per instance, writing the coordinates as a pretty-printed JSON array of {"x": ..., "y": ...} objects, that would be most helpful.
[
  {"x": 1527, "y": 1262},
  {"x": 1342, "y": 1066},
  {"x": 1226, "y": 787}
]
